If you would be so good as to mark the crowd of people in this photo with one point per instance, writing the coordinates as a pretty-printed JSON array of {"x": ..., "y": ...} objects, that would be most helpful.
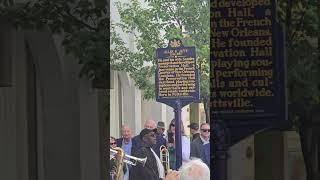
[{"x": 195, "y": 152}]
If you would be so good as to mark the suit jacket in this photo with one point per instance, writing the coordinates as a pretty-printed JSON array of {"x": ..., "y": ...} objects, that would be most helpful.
[
  {"x": 195, "y": 136},
  {"x": 196, "y": 148},
  {"x": 206, "y": 154},
  {"x": 136, "y": 144},
  {"x": 150, "y": 170}
]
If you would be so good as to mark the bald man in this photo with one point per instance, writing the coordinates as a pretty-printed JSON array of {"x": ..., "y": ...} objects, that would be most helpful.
[{"x": 136, "y": 141}]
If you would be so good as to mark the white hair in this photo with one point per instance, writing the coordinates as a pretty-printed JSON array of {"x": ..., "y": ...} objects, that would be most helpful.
[{"x": 194, "y": 170}]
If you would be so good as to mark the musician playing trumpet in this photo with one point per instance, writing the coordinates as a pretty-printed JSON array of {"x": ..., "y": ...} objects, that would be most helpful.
[{"x": 153, "y": 169}]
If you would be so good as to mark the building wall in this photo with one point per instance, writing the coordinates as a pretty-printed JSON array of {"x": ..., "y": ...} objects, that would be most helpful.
[
  {"x": 65, "y": 139},
  {"x": 130, "y": 108},
  {"x": 293, "y": 159},
  {"x": 241, "y": 160}
]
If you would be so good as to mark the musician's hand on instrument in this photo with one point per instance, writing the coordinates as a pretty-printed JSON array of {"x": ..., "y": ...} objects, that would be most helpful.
[{"x": 172, "y": 175}]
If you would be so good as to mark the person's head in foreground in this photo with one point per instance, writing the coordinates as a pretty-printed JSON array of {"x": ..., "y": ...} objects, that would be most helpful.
[{"x": 192, "y": 170}]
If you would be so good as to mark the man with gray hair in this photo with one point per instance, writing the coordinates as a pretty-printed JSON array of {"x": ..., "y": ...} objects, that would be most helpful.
[{"x": 192, "y": 170}]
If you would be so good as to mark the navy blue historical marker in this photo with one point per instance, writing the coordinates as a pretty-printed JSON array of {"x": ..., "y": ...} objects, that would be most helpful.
[
  {"x": 176, "y": 82},
  {"x": 247, "y": 79},
  {"x": 247, "y": 67}
]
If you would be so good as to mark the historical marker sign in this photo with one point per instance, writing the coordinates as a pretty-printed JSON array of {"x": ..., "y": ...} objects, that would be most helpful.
[
  {"x": 176, "y": 74},
  {"x": 247, "y": 68},
  {"x": 176, "y": 82}
]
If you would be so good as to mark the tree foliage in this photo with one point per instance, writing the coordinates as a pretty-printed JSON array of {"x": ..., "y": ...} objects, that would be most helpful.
[
  {"x": 303, "y": 64},
  {"x": 152, "y": 24},
  {"x": 303, "y": 73},
  {"x": 84, "y": 25}
]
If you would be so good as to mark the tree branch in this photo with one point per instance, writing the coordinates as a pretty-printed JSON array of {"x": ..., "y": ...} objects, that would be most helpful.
[
  {"x": 80, "y": 22},
  {"x": 300, "y": 24}
]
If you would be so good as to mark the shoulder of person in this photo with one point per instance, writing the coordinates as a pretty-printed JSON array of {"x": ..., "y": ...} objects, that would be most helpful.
[
  {"x": 185, "y": 139},
  {"x": 136, "y": 138},
  {"x": 196, "y": 135},
  {"x": 119, "y": 142},
  {"x": 160, "y": 137},
  {"x": 140, "y": 151},
  {"x": 197, "y": 141},
  {"x": 206, "y": 146}
]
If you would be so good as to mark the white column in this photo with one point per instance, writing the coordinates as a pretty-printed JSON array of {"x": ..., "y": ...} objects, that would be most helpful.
[{"x": 137, "y": 111}]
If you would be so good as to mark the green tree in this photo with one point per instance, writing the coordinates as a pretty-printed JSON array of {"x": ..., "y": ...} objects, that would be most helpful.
[
  {"x": 303, "y": 69},
  {"x": 152, "y": 25},
  {"x": 84, "y": 25}
]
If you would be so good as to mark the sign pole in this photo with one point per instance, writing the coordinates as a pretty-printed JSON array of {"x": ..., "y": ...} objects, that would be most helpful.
[
  {"x": 220, "y": 146},
  {"x": 178, "y": 134}
]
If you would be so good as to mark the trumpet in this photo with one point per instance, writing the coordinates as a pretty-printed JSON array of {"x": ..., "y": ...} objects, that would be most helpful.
[
  {"x": 133, "y": 160},
  {"x": 164, "y": 158}
]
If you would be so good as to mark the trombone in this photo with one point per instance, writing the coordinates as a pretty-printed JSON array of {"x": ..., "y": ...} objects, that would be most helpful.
[{"x": 164, "y": 158}]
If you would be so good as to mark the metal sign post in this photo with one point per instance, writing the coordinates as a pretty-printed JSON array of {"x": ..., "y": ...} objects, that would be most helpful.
[{"x": 178, "y": 136}]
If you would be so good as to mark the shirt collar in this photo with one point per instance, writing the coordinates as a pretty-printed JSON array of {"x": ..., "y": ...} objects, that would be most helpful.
[
  {"x": 123, "y": 141},
  {"x": 203, "y": 140}
]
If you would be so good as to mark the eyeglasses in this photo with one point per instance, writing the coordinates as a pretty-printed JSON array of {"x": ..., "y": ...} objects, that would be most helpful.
[
  {"x": 205, "y": 130},
  {"x": 113, "y": 143}
]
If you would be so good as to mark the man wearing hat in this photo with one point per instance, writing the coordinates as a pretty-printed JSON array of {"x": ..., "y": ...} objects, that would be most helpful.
[
  {"x": 161, "y": 139},
  {"x": 194, "y": 130},
  {"x": 153, "y": 168},
  {"x": 161, "y": 128}
]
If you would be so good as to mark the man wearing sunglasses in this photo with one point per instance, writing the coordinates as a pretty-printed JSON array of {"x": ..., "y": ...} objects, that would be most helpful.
[
  {"x": 197, "y": 145},
  {"x": 153, "y": 168}
]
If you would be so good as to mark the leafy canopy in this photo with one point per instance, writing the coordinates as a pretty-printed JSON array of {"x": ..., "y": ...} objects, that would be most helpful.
[
  {"x": 303, "y": 64},
  {"x": 84, "y": 25},
  {"x": 152, "y": 24}
]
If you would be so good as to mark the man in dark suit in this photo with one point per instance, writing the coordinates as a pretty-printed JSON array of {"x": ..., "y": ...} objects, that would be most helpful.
[
  {"x": 161, "y": 128},
  {"x": 206, "y": 154},
  {"x": 153, "y": 168},
  {"x": 136, "y": 141},
  {"x": 197, "y": 144},
  {"x": 194, "y": 130}
]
